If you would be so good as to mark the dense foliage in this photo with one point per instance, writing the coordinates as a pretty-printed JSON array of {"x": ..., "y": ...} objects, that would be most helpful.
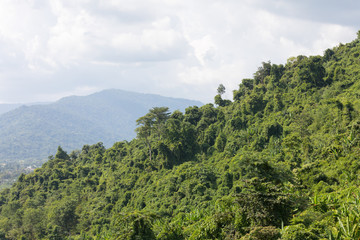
[{"x": 279, "y": 162}]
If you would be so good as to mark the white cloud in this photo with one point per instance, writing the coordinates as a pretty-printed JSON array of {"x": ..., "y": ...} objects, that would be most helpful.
[
  {"x": 204, "y": 49},
  {"x": 171, "y": 47},
  {"x": 68, "y": 43}
]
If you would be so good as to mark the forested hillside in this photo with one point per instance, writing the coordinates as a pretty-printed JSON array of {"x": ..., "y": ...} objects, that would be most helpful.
[
  {"x": 34, "y": 132},
  {"x": 8, "y": 107},
  {"x": 280, "y": 161}
]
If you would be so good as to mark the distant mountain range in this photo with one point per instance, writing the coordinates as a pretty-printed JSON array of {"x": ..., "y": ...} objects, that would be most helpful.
[
  {"x": 4, "y": 107},
  {"x": 34, "y": 132},
  {"x": 7, "y": 107}
]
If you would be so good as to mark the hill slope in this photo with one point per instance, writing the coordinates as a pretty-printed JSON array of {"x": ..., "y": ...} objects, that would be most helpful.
[
  {"x": 34, "y": 132},
  {"x": 8, "y": 107},
  {"x": 279, "y": 162}
]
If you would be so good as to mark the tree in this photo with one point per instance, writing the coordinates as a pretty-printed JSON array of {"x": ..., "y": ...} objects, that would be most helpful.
[
  {"x": 33, "y": 222},
  {"x": 144, "y": 131},
  {"x": 193, "y": 115},
  {"x": 160, "y": 116},
  {"x": 218, "y": 99},
  {"x": 221, "y": 89},
  {"x": 220, "y": 142},
  {"x": 152, "y": 122},
  {"x": 262, "y": 72},
  {"x": 135, "y": 225},
  {"x": 61, "y": 154},
  {"x": 62, "y": 214}
]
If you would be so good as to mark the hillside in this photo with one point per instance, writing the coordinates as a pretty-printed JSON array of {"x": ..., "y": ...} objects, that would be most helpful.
[
  {"x": 8, "y": 107},
  {"x": 280, "y": 161},
  {"x": 34, "y": 132}
]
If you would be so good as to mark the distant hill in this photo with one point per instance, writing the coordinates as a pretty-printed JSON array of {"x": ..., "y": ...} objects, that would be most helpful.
[
  {"x": 5, "y": 107},
  {"x": 34, "y": 132}
]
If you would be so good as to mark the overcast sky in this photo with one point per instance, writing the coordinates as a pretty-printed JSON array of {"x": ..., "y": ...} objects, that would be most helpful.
[{"x": 180, "y": 48}]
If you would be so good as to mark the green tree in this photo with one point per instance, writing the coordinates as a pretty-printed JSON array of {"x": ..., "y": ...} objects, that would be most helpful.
[
  {"x": 61, "y": 154},
  {"x": 136, "y": 225},
  {"x": 193, "y": 115},
  {"x": 221, "y": 89},
  {"x": 34, "y": 223},
  {"x": 152, "y": 124},
  {"x": 218, "y": 98},
  {"x": 62, "y": 215},
  {"x": 160, "y": 116}
]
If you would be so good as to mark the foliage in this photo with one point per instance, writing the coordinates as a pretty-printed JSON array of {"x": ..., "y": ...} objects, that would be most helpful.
[{"x": 279, "y": 162}]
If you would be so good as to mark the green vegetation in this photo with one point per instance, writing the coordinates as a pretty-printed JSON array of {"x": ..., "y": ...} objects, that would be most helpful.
[
  {"x": 32, "y": 133},
  {"x": 279, "y": 162}
]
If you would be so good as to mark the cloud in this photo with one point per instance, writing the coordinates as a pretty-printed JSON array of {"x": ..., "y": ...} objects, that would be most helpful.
[
  {"x": 345, "y": 13},
  {"x": 239, "y": 36},
  {"x": 170, "y": 47}
]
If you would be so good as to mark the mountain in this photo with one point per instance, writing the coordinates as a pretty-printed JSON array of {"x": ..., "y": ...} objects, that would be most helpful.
[
  {"x": 280, "y": 161},
  {"x": 5, "y": 107},
  {"x": 34, "y": 132}
]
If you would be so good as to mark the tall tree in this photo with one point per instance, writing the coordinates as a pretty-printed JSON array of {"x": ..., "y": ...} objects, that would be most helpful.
[
  {"x": 152, "y": 123},
  {"x": 221, "y": 89},
  {"x": 144, "y": 131},
  {"x": 160, "y": 116}
]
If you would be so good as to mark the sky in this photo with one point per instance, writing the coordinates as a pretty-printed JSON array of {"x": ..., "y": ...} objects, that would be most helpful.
[{"x": 50, "y": 49}]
